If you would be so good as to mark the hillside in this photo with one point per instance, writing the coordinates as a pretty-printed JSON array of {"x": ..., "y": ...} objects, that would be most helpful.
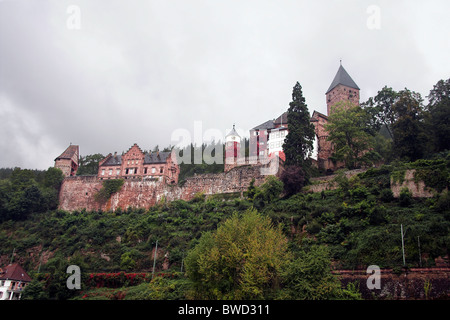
[{"x": 359, "y": 223}]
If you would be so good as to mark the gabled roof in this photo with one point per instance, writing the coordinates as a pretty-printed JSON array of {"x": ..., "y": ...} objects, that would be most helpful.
[
  {"x": 264, "y": 126},
  {"x": 317, "y": 114},
  {"x": 14, "y": 272},
  {"x": 281, "y": 119},
  {"x": 271, "y": 124},
  {"x": 156, "y": 157},
  {"x": 69, "y": 152},
  {"x": 149, "y": 158},
  {"x": 113, "y": 160},
  {"x": 342, "y": 77}
]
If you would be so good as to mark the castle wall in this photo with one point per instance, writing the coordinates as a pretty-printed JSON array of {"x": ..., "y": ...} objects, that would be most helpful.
[
  {"x": 417, "y": 188},
  {"x": 78, "y": 192}
]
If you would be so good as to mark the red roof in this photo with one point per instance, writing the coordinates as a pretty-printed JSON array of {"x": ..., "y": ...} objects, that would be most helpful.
[
  {"x": 69, "y": 152},
  {"x": 14, "y": 272}
]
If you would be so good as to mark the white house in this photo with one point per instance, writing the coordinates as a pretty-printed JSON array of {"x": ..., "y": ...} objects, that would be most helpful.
[
  {"x": 276, "y": 140},
  {"x": 13, "y": 279}
]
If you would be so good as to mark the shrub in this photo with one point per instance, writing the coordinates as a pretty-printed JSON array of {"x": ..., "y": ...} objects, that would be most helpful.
[
  {"x": 109, "y": 187},
  {"x": 405, "y": 198},
  {"x": 386, "y": 195}
]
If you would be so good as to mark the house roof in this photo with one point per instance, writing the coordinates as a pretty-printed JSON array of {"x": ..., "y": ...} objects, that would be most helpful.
[
  {"x": 342, "y": 77},
  {"x": 149, "y": 158},
  {"x": 156, "y": 157},
  {"x": 317, "y": 114},
  {"x": 14, "y": 272},
  {"x": 281, "y": 119},
  {"x": 69, "y": 152},
  {"x": 266, "y": 125}
]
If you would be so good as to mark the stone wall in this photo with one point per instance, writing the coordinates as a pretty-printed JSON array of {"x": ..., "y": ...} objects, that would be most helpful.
[
  {"x": 415, "y": 283},
  {"x": 417, "y": 188},
  {"x": 79, "y": 192}
]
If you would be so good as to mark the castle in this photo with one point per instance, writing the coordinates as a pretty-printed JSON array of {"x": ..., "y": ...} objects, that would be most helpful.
[
  {"x": 267, "y": 139},
  {"x": 153, "y": 177}
]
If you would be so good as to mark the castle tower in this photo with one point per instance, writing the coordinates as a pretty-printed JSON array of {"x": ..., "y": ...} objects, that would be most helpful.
[
  {"x": 232, "y": 149},
  {"x": 343, "y": 88},
  {"x": 68, "y": 161}
]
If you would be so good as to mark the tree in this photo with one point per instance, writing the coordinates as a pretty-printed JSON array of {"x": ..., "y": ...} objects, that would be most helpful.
[
  {"x": 88, "y": 165},
  {"x": 410, "y": 136},
  {"x": 293, "y": 178},
  {"x": 438, "y": 122},
  {"x": 242, "y": 259},
  {"x": 53, "y": 178},
  {"x": 380, "y": 110},
  {"x": 298, "y": 144},
  {"x": 348, "y": 132},
  {"x": 309, "y": 277}
]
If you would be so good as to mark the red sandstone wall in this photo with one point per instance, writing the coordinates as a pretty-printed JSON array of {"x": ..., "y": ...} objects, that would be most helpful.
[
  {"x": 78, "y": 192},
  {"x": 415, "y": 283}
]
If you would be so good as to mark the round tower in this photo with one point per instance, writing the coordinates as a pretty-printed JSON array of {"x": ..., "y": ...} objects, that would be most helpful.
[{"x": 232, "y": 149}]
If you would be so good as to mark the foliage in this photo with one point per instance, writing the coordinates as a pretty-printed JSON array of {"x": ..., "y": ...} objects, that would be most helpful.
[
  {"x": 298, "y": 144},
  {"x": 346, "y": 128},
  {"x": 234, "y": 262},
  {"x": 109, "y": 187},
  {"x": 439, "y": 109},
  {"x": 268, "y": 192},
  {"x": 309, "y": 277},
  {"x": 88, "y": 165},
  {"x": 410, "y": 136},
  {"x": 379, "y": 109},
  {"x": 26, "y": 192},
  {"x": 293, "y": 178}
]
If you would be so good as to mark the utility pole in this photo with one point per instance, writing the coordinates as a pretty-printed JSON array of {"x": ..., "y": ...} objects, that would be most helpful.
[
  {"x": 182, "y": 260},
  {"x": 420, "y": 255},
  {"x": 154, "y": 259},
  {"x": 403, "y": 244},
  {"x": 12, "y": 257}
]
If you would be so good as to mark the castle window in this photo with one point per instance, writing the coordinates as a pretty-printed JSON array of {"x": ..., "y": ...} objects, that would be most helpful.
[
  {"x": 153, "y": 170},
  {"x": 161, "y": 170},
  {"x": 110, "y": 172},
  {"x": 103, "y": 172},
  {"x": 145, "y": 170},
  {"x": 118, "y": 171}
]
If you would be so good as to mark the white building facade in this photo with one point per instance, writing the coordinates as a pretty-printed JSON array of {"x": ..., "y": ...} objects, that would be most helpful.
[{"x": 13, "y": 279}]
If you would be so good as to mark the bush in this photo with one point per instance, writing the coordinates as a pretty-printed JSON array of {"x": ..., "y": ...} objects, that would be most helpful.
[
  {"x": 109, "y": 187},
  {"x": 293, "y": 178},
  {"x": 386, "y": 195},
  {"x": 405, "y": 198}
]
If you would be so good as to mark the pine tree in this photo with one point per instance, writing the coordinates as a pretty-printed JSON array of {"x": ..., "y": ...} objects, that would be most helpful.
[{"x": 298, "y": 144}]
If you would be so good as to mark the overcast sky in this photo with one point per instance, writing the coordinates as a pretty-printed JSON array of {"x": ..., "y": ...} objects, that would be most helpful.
[{"x": 105, "y": 74}]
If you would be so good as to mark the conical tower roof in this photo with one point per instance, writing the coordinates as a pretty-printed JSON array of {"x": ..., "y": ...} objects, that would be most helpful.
[{"x": 342, "y": 77}]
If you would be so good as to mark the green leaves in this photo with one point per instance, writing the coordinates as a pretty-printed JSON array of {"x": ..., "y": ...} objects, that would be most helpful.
[
  {"x": 241, "y": 260},
  {"x": 298, "y": 144},
  {"x": 347, "y": 131},
  {"x": 109, "y": 187}
]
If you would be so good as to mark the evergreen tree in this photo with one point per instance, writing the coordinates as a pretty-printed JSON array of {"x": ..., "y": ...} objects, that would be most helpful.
[{"x": 298, "y": 144}]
